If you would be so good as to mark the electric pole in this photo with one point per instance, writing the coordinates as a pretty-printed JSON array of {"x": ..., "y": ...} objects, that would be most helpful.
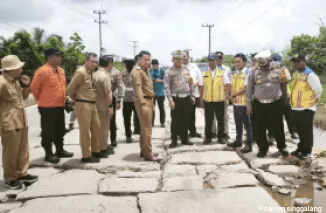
[
  {"x": 135, "y": 46},
  {"x": 209, "y": 36},
  {"x": 100, "y": 22}
]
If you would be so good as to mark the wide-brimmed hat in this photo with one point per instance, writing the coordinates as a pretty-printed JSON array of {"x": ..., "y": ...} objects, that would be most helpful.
[{"x": 11, "y": 62}]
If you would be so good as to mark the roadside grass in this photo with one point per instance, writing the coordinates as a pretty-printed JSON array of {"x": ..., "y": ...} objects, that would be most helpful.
[{"x": 320, "y": 117}]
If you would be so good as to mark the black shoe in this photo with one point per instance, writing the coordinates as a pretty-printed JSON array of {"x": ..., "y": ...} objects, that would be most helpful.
[
  {"x": 90, "y": 160},
  {"x": 129, "y": 140},
  {"x": 305, "y": 156},
  {"x": 100, "y": 154},
  {"x": 246, "y": 149},
  {"x": 110, "y": 150},
  {"x": 173, "y": 144},
  {"x": 14, "y": 184},
  {"x": 29, "y": 179},
  {"x": 64, "y": 154},
  {"x": 195, "y": 135},
  {"x": 207, "y": 141},
  {"x": 136, "y": 133},
  {"x": 261, "y": 154},
  {"x": 162, "y": 125},
  {"x": 284, "y": 152},
  {"x": 235, "y": 144},
  {"x": 227, "y": 137},
  {"x": 52, "y": 159},
  {"x": 294, "y": 135},
  {"x": 155, "y": 154},
  {"x": 222, "y": 141},
  {"x": 71, "y": 127},
  {"x": 114, "y": 143},
  {"x": 188, "y": 143},
  {"x": 296, "y": 154}
]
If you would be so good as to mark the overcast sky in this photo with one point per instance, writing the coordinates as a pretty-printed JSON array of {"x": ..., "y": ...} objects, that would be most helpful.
[{"x": 162, "y": 26}]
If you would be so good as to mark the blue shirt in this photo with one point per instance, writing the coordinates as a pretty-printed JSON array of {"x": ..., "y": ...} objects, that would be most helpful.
[{"x": 158, "y": 87}]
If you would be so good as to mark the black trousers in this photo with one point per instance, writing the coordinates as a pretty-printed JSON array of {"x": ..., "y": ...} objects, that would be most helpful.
[
  {"x": 214, "y": 109},
  {"x": 180, "y": 118},
  {"x": 287, "y": 112},
  {"x": 160, "y": 101},
  {"x": 269, "y": 116},
  {"x": 113, "y": 123},
  {"x": 192, "y": 125},
  {"x": 127, "y": 110},
  {"x": 53, "y": 128},
  {"x": 304, "y": 126}
]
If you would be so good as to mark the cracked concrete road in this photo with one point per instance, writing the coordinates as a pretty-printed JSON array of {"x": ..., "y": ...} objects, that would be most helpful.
[{"x": 190, "y": 179}]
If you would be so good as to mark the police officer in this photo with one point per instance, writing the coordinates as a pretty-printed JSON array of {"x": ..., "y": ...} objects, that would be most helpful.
[
  {"x": 214, "y": 92},
  {"x": 102, "y": 84},
  {"x": 238, "y": 97},
  {"x": 306, "y": 90},
  {"x": 128, "y": 107},
  {"x": 13, "y": 123},
  {"x": 118, "y": 91},
  {"x": 82, "y": 92},
  {"x": 287, "y": 111},
  {"x": 264, "y": 83},
  {"x": 144, "y": 95},
  {"x": 179, "y": 92},
  {"x": 157, "y": 75}
]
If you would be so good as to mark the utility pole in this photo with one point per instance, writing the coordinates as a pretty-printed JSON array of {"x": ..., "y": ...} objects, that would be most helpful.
[
  {"x": 100, "y": 22},
  {"x": 135, "y": 46},
  {"x": 209, "y": 36}
]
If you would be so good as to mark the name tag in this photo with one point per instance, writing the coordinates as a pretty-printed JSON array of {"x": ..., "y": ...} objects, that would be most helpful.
[{"x": 129, "y": 89}]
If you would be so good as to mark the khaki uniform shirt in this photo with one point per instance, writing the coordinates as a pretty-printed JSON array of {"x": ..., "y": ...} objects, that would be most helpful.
[
  {"x": 118, "y": 89},
  {"x": 81, "y": 86},
  {"x": 102, "y": 84},
  {"x": 178, "y": 83},
  {"x": 142, "y": 84},
  {"x": 129, "y": 90},
  {"x": 12, "y": 110}
]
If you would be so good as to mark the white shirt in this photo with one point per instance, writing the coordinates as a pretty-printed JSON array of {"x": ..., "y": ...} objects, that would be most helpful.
[
  {"x": 314, "y": 83},
  {"x": 228, "y": 71},
  {"x": 245, "y": 82},
  {"x": 196, "y": 75},
  {"x": 226, "y": 79}
]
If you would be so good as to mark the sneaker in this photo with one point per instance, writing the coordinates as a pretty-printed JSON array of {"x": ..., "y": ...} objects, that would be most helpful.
[
  {"x": 51, "y": 159},
  {"x": 235, "y": 144},
  {"x": 29, "y": 179},
  {"x": 284, "y": 152},
  {"x": 14, "y": 184},
  {"x": 296, "y": 154},
  {"x": 261, "y": 154},
  {"x": 64, "y": 154},
  {"x": 100, "y": 154},
  {"x": 90, "y": 160}
]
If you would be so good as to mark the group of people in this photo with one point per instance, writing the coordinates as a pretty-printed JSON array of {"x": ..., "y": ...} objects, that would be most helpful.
[{"x": 261, "y": 93}]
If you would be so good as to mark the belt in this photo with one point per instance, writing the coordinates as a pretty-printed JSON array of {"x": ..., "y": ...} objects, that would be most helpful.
[
  {"x": 148, "y": 97},
  {"x": 180, "y": 95},
  {"x": 267, "y": 101},
  {"x": 129, "y": 89},
  {"x": 85, "y": 101}
]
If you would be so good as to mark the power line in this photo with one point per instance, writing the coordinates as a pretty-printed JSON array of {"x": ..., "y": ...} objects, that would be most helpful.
[
  {"x": 100, "y": 22},
  {"x": 223, "y": 11},
  {"x": 11, "y": 24},
  {"x": 73, "y": 7}
]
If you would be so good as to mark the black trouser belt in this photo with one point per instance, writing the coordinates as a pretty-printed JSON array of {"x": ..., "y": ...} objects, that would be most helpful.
[
  {"x": 85, "y": 101},
  {"x": 148, "y": 97}
]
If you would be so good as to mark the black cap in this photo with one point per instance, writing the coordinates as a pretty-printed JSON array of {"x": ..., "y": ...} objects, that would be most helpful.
[
  {"x": 219, "y": 54},
  {"x": 299, "y": 57},
  {"x": 155, "y": 62},
  {"x": 52, "y": 51}
]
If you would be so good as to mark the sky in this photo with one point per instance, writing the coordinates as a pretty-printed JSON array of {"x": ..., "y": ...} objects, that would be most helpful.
[{"x": 162, "y": 26}]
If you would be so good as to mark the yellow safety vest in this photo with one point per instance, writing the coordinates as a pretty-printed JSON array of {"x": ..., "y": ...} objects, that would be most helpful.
[
  {"x": 213, "y": 86},
  {"x": 302, "y": 95},
  {"x": 238, "y": 84}
]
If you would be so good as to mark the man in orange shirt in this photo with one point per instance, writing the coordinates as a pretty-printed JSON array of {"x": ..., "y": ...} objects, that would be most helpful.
[{"x": 49, "y": 89}]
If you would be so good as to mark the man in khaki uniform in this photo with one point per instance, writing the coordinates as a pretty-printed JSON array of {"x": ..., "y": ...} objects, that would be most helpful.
[
  {"x": 13, "y": 123},
  {"x": 144, "y": 94},
  {"x": 82, "y": 92},
  {"x": 102, "y": 84}
]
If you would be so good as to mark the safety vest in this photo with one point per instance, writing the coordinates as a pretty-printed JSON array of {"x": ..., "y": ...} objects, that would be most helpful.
[
  {"x": 213, "y": 86},
  {"x": 302, "y": 95},
  {"x": 238, "y": 84}
]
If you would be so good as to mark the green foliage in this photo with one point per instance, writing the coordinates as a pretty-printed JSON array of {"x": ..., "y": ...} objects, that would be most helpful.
[
  {"x": 322, "y": 99},
  {"x": 119, "y": 65},
  {"x": 29, "y": 48}
]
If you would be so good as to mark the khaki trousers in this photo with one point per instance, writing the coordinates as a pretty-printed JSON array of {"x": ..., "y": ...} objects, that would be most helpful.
[
  {"x": 105, "y": 129},
  {"x": 145, "y": 120},
  {"x": 15, "y": 154},
  {"x": 89, "y": 128}
]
